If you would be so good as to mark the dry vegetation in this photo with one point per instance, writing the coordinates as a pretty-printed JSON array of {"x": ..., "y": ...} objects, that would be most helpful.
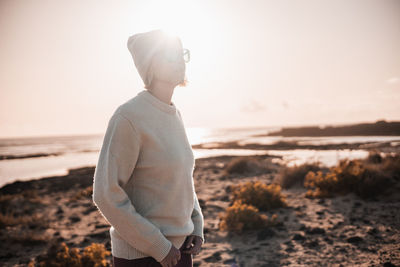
[
  {"x": 264, "y": 197},
  {"x": 367, "y": 177},
  {"x": 248, "y": 199},
  {"x": 294, "y": 176},
  {"x": 252, "y": 206},
  {"x": 84, "y": 193},
  {"x": 241, "y": 217},
  {"x": 240, "y": 165},
  {"x": 60, "y": 255},
  {"x": 20, "y": 209}
]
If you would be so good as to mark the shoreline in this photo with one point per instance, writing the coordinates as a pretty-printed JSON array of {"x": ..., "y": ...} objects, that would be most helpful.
[
  {"x": 278, "y": 145},
  {"x": 384, "y": 147}
]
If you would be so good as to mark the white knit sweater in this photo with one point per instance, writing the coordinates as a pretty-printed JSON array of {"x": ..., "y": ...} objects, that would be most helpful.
[{"x": 143, "y": 182}]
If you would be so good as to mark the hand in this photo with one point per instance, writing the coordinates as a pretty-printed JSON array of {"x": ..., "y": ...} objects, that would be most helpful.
[
  {"x": 197, "y": 242},
  {"x": 174, "y": 255}
]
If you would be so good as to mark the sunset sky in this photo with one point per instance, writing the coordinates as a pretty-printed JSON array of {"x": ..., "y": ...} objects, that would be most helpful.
[{"x": 65, "y": 66}]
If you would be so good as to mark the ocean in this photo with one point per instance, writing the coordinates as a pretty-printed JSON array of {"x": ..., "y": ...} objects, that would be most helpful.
[{"x": 65, "y": 152}]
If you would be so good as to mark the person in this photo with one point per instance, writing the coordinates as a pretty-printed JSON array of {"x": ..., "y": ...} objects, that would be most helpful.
[{"x": 143, "y": 181}]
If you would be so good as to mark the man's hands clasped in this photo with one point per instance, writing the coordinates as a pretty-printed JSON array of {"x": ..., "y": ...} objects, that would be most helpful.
[{"x": 192, "y": 245}]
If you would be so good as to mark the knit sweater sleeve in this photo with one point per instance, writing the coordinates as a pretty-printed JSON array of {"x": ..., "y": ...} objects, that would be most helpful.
[
  {"x": 118, "y": 157},
  {"x": 198, "y": 219}
]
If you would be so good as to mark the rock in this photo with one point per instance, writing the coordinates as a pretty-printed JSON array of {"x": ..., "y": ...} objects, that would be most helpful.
[
  {"x": 388, "y": 264},
  {"x": 354, "y": 239},
  {"x": 298, "y": 237},
  {"x": 265, "y": 233},
  {"x": 74, "y": 218},
  {"x": 228, "y": 189},
  {"x": 290, "y": 249},
  {"x": 366, "y": 221},
  {"x": 315, "y": 230},
  {"x": 231, "y": 262},
  {"x": 225, "y": 198},
  {"x": 280, "y": 226},
  {"x": 101, "y": 225},
  {"x": 312, "y": 243},
  {"x": 320, "y": 212},
  {"x": 215, "y": 257},
  {"x": 101, "y": 235},
  {"x": 59, "y": 210},
  {"x": 338, "y": 224},
  {"x": 328, "y": 240},
  {"x": 90, "y": 209}
]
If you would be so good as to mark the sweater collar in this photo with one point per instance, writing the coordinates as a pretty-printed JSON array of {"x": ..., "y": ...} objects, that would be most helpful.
[{"x": 171, "y": 109}]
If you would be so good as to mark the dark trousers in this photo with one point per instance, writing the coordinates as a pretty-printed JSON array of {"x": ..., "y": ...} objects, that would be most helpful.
[{"x": 185, "y": 261}]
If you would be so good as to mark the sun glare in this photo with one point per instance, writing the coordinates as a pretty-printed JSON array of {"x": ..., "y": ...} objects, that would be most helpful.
[
  {"x": 177, "y": 17},
  {"x": 188, "y": 20}
]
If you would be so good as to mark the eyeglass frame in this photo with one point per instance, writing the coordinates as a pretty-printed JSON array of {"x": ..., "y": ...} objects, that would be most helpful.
[{"x": 185, "y": 52}]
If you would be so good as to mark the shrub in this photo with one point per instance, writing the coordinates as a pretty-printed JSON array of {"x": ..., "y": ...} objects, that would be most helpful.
[
  {"x": 60, "y": 255},
  {"x": 348, "y": 176},
  {"x": 290, "y": 176},
  {"x": 391, "y": 165},
  {"x": 374, "y": 157},
  {"x": 95, "y": 255},
  {"x": 26, "y": 238},
  {"x": 264, "y": 197},
  {"x": 239, "y": 165},
  {"x": 372, "y": 183},
  {"x": 87, "y": 192},
  {"x": 242, "y": 217},
  {"x": 25, "y": 202},
  {"x": 32, "y": 221}
]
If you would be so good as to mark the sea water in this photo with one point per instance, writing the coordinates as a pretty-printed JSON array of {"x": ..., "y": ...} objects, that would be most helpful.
[{"x": 80, "y": 151}]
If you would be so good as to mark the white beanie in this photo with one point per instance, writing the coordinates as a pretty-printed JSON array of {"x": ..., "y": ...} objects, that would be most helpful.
[{"x": 142, "y": 47}]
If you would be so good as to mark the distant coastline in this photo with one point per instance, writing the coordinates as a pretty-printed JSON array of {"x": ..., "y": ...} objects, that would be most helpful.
[{"x": 379, "y": 128}]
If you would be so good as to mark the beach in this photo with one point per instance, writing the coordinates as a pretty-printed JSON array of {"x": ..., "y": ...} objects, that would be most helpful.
[{"x": 343, "y": 230}]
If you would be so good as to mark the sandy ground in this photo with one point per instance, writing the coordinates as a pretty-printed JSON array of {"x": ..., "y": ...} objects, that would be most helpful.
[{"x": 340, "y": 231}]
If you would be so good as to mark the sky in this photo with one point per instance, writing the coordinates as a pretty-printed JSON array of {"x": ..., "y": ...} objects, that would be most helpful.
[{"x": 65, "y": 66}]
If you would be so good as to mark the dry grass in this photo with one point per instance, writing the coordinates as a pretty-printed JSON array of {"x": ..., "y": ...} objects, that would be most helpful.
[
  {"x": 27, "y": 198},
  {"x": 33, "y": 221},
  {"x": 292, "y": 176},
  {"x": 249, "y": 199},
  {"x": 22, "y": 209},
  {"x": 27, "y": 238},
  {"x": 263, "y": 197},
  {"x": 391, "y": 165},
  {"x": 61, "y": 255},
  {"x": 366, "y": 178},
  {"x": 242, "y": 217},
  {"x": 240, "y": 165},
  {"x": 84, "y": 193}
]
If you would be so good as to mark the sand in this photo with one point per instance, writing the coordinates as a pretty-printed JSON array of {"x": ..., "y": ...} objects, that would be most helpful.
[{"x": 339, "y": 231}]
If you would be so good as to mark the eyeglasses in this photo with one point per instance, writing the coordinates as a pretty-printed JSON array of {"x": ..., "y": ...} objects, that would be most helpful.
[
  {"x": 175, "y": 56},
  {"x": 186, "y": 55}
]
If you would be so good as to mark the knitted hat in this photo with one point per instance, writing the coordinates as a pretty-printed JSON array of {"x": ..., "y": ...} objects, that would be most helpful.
[{"x": 143, "y": 46}]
